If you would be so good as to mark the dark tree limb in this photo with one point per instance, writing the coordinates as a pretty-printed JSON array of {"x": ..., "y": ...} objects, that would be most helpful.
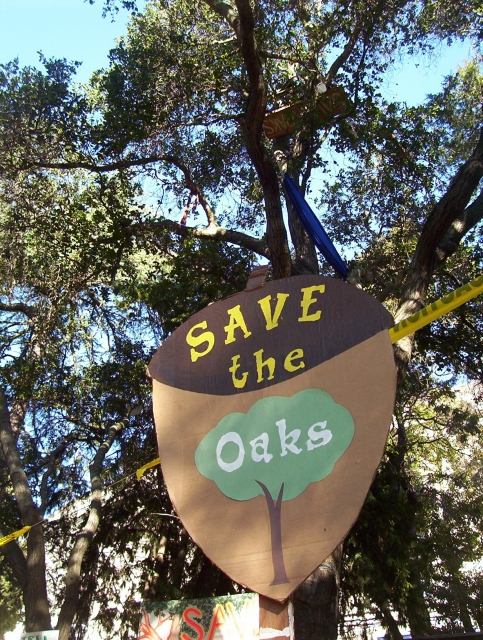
[
  {"x": 227, "y": 12},
  {"x": 360, "y": 26},
  {"x": 37, "y": 614},
  {"x": 242, "y": 22},
  {"x": 390, "y": 622},
  {"x": 344, "y": 56},
  {"x": 211, "y": 232},
  {"x": 193, "y": 187},
  {"x": 73, "y": 577},
  {"x": 251, "y": 124},
  {"x": 305, "y": 254},
  {"x": 19, "y": 307},
  {"x": 50, "y": 463},
  {"x": 127, "y": 163},
  {"x": 444, "y": 226},
  {"x": 460, "y": 227},
  {"x": 16, "y": 559},
  {"x": 439, "y": 222}
]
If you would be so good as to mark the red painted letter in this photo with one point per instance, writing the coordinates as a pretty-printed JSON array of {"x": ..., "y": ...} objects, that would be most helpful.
[
  {"x": 217, "y": 621},
  {"x": 193, "y": 624}
]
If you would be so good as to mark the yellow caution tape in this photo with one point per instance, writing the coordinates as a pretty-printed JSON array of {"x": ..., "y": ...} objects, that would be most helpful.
[
  {"x": 140, "y": 472},
  {"x": 402, "y": 329},
  {"x": 436, "y": 309},
  {"x": 13, "y": 536}
]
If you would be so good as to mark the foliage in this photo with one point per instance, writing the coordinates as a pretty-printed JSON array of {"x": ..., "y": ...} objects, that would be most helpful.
[
  {"x": 130, "y": 204},
  {"x": 10, "y": 600}
]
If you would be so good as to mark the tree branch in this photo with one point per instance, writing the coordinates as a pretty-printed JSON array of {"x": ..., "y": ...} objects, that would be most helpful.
[
  {"x": 128, "y": 163},
  {"x": 243, "y": 25},
  {"x": 37, "y": 615},
  {"x": 460, "y": 227},
  {"x": 344, "y": 56},
  {"x": 351, "y": 43},
  {"x": 445, "y": 226},
  {"x": 16, "y": 559},
  {"x": 444, "y": 215},
  {"x": 257, "y": 101},
  {"x": 51, "y": 462},
  {"x": 98, "y": 168},
  {"x": 72, "y": 578},
  {"x": 125, "y": 163},
  {"x": 211, "y": 232},
  {"x": 227, "y": 12},
  {"x": 19, "y": 307},
  {"x": 251, "y": 125},
  {"x": 193, "y": 187}
]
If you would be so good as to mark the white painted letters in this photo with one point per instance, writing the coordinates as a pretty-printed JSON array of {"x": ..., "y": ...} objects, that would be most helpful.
[
  {"x": 318, "y": 436},
  {"x": 232, "y": 436},
  {"x": 262, "y": 443},
  {"x": 324, "y": 435},
  {"x": 293, "y": 435}
]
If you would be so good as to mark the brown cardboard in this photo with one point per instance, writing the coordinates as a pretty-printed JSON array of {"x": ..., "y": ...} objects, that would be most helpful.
[
  {"x": 236, "y": 534},
  {"x": 345, "y": 316}
]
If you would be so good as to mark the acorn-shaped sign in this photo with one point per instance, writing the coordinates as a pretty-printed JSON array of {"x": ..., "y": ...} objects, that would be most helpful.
[{"x": 272, "y": 409}]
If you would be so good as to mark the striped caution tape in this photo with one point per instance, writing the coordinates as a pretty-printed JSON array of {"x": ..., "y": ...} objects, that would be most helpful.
[
  {"x": 16, "y": 534},
  {"x": 402, "y": 329},
  {"x": 436, "y": 309},
  {"x": 409, "y": 325},
  {"x": 12, "y": 536},
  {"x": 140, "y": 472}
]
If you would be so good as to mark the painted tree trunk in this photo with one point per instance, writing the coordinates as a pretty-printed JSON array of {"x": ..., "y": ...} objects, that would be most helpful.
[{"x": 275, "y": 513}]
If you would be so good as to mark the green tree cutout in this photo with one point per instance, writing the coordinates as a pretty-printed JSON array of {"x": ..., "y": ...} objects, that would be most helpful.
[{"x": 276, "y": 449}]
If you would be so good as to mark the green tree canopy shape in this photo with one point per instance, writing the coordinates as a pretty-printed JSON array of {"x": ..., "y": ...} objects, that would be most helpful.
[{"x": 276, "y": 449}]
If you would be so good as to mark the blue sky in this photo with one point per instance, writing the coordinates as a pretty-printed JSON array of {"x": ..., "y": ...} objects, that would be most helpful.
[
  {"x": 71, "y": 29},
  {"x": 76, "y": 30}
]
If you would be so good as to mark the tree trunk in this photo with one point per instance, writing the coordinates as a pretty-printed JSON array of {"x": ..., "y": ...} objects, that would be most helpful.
[
  {"x": 70, "y": 605},
  {"x": 316, "y": 601},
  {"x": 465, "y": 618},
  {"x": 251, "y": 125},
  {"x": 37, "y": 614},
  {"x": 390, "y": 622},
  {"x": 305, "y": 260},
  {"x": 419, "y": 620},
  {"x": 16, "y": 559},
  {"x": 275, "y": 513}
]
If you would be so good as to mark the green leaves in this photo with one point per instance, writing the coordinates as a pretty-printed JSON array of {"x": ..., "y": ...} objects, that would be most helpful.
[
  {"x": 92, "y": 277},
  {"x": 41, "y": 117}
]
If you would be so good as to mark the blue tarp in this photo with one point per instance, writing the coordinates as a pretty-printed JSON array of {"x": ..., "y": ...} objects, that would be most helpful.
[{"x": 314, "y": 228}]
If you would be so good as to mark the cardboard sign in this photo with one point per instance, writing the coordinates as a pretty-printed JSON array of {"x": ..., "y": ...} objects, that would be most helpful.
[
  {"x": 224, "y": 618},
  {"x": 272, "y": 409},
  {"x": 281, "y": 121}
]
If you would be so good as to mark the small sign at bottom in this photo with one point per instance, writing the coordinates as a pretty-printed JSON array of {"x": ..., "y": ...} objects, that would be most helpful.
[
  {"x": 40, "y": 635},
  {"x": 224, "y": 618}
]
